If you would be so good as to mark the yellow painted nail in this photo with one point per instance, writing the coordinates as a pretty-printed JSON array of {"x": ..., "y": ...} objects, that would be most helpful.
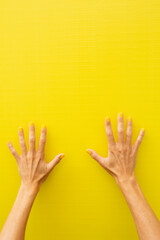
[
  {"x": 107, "y": 119},
  {"x": 61, "y": 156},
  {"x": 129, "y": 119},
  {"x": 120, "y": 114},
  {"x": 8, "y": 142},
  {"x": 143, "y": 129},
  {"x": 88, "y": 151},
  {"x": 43, "y": 126},
  {"x": 20, "y": 129},
  {"x": 31, "y": 124}
]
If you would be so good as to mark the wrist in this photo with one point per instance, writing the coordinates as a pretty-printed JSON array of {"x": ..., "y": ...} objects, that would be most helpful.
[
  {"x": 30, "y": 190},
  {"x": 127, "y": 183},
  {"x": 131, "y": 191}
]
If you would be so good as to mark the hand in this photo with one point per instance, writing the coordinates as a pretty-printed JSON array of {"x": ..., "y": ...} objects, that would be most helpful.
[
  {"x": 121, "y": 159},
  {"x": 32, "y": 167}
]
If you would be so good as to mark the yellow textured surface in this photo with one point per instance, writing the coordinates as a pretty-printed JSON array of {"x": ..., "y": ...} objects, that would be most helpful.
[{"x": 69, "y": 64}]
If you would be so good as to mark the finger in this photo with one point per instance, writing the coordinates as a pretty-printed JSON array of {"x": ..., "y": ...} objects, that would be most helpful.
[
  {"x": 54, "y": 162},
  {"x": 129, "y": 131},
  {"x": 109, "y": 132},
  {"x": 120, "y": 128},
  {"x": 22, "y": 141},
  {"x": 139, "y": 139},
  {"x": 13, "y": 151},
  {"x": 42, "y": 140},
  {"x": 31, "y": 137},
  {"x": 96, "y": 156}
]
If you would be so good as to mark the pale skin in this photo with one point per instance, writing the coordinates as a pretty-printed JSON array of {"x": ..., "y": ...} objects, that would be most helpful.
[
  {"x": 33, "y": 172},
  {"x": 120, "y": 163}
]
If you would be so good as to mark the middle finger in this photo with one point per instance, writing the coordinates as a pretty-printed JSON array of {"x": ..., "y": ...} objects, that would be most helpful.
[{"x": 120, "y": 128}]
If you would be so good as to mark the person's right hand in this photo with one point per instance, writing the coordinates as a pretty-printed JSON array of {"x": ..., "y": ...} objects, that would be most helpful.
[
  {"x": 121, "y": 159},
  {"x": 32, "y": 167}
]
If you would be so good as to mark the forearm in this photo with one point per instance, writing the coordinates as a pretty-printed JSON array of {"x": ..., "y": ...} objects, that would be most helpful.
[
  {"x": 147, "y": 224},
  {"x": 15, "y": 225}
]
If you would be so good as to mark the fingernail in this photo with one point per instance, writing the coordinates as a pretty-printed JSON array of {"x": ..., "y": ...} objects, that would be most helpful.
[
  {"x": 120, "y": 114},
  {"x": 20, "y": 129},
  {"x": 61, "y": 156},
  {"x": 8, "y": 142},
  {"x": 107, "y": 119},
  {"x": 88, "y": 151},
  {"x": 129, "y": 119},
  {"x": 143, "y": 130},
  {"x": 31, "y": 124},
  {"x": 43, "y": 126}
]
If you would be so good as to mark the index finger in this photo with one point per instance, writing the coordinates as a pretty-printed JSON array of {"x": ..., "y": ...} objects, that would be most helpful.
[
  {"x": 109, "y": 132},
  {"x": 139, "y": 139},
  {"x": 22, "y": 141},
  {"x": 42, "y": 140}
]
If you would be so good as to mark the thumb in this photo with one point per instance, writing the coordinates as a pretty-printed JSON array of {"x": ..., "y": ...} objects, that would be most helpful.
[
  {"x": 54, "y": 162},
  {"x": 96, "y": 156}
]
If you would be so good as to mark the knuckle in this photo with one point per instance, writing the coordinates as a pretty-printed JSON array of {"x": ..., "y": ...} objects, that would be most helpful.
[
  {"x": 32, "y": 139},
  {"x": 139, "y": 140},
  {"x": 94, "y": 156},
  {"x": 23, "y": 144},
  {"x": 13, "y": 151},
  {"x": 112, "y": 148},
  {"x": 109, "y": 133},
  {"x": 128, "y": 149},
  {"x": 134, "y": 151},
  {"x": 58, "y": 160},
  {"x": 120, "y": 148},
  {"x": 30, "y": 155},
  {"x": 43, "y": 140},
  {"x": 141, "y": 134},
  {"x": 129, "y": 133},
  {"x": 38, "y": 154},
  {"x": 124, "y": 148},
  {"x": 120, "y": 130}
]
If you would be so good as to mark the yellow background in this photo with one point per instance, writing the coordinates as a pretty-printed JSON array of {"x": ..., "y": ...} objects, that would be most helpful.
[{"x": 69, "y": 64}]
